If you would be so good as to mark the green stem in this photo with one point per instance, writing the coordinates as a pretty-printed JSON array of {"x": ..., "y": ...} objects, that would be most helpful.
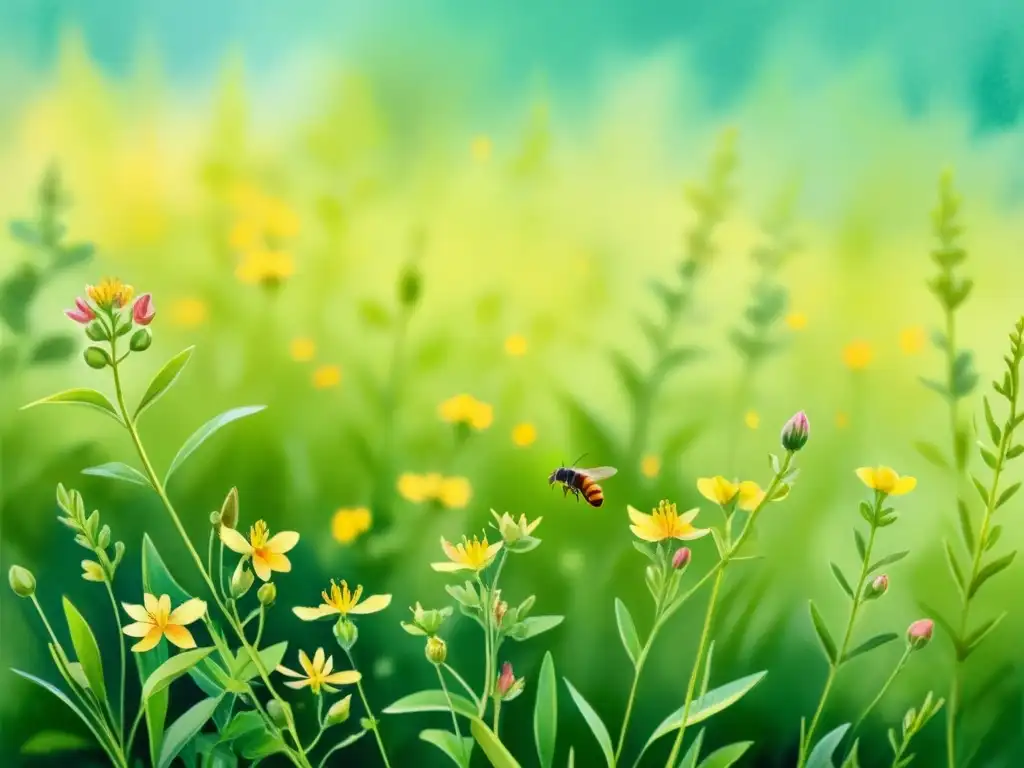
[
  {"x": 220, "y": 570},
  {"x": 298, "y": 756},
  {"x": 462, "y": 681},
  {"x": 885, "y": 687},
  {"x": 259, "y": 627},
  {"x": 135, "y": 726},
  {"x": 497, "y": 713},
  {"x": 209, "y": 549},
  {"x": 320, "y": 723},
  {"x": 369, "y": 713},
  {"x": 455, "y": 719},
  {"x": 121, "y": 644}
]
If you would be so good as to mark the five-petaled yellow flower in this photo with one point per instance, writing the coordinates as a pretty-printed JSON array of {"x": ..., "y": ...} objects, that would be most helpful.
[
  {"x": 347, "y": 525},
  {"x": 886, "y": 480},
  {"x": 155, "y": 619},
  {"x": 665, "y": 523},
  {"x": 451, "y": 492},
  {"x": 318, "y": 673},
  {"x": 267, "y": 552},
  {"x": 110, "y": 292},
  {"x": 466, "y": 409},
  {"x": 472, "y": 555},
  {"x": 722, "y": 491},
  {"x": 341, "y": 601}
]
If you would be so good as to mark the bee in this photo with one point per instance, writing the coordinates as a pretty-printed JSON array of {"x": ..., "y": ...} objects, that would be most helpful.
[{"x": 582, "y": 482}]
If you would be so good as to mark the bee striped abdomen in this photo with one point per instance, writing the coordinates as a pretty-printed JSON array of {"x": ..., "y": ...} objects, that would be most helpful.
[{"x": 591, "y": 491}]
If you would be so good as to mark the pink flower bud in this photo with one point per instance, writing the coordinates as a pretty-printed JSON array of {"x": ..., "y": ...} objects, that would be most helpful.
[
  {"x": 920, "y": 633},
  {"x": 506, "y": 679},
  {"x": 681, "y": 558},
  {"x": 82, "y": 313},
  {"x": 878, "y": 587},
  {"x": 143, "y": 311},
  {"x": 795, "y": 432}
]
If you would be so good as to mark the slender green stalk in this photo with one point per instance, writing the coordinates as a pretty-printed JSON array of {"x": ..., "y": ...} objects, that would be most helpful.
[
  {"x": 209, "y": 549},
  {"x": 451, "y": 707},
  {"x": 462, "y": 681},
  {"x": 320, "y": 723},
  {"x": 259, "y": 627},
  {"x": 220, "y": 571},
  {"x": 497, "y": 713},
  {"x": 120, "y": 644},
  {"x": 135, "y": 727},
  {"x": 892, "y": 678},
  {"x": 369, "y": 713}
]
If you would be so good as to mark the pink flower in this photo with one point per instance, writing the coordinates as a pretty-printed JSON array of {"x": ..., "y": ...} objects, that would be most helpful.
[
  {"x": 681, "y": 558},
  {"x": 143, "y": 311},
  {"x": 795, "y": 432},
  {"x": 920, "y": 633},
  {"x": 82, "y": 313}
]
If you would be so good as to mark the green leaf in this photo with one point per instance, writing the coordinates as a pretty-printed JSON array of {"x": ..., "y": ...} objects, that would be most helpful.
[
  {"x": 821, "y": 755},
  {"x": 241, "y": 724},
  {"x": 693, "y": 753},
  {"x": 271, "y": 656},
  {"x": 646, "y": 550},
  {"x": 629, "y": 375},
  {"x": 980, "y": 488},
  {"x": 965, "y": 524},
  {"x": 824, "y": 637},
  {"x": 431, "y": 701},
  {"x": 993, "y": 429},
  {"x": 81, "y": 396},
  {"x": 932, "y": 454},
  {"x": 627, "y": 631},
  {"x": 206, "y": 431},
  {"x": 604, "y": 740},
  {"x": 449, "y": 743},
  {"x": 496, "y": 752},
  {"x": 51, "y": 742},
  {"x": 935, "y": 387},
  {"x": 954, "y": 567},
  {"x": 973, "y": 640},
  {"x": 533, "y": 626},
  {"x": 989, "y": 571},
  {"x": 163, "y": 380},
  {"x": 16, "y": 294},
  {"x": 156, "y": 579},
  {"x": 545, "y": 712},
  {"x": 72, "y": 255},
  {"x": 993, "y": 537},
  {"x": 862, "y": 547},
  {"x": 571, "y": 763},
  {"x": 53, "y": 349},
  {"x": 86, "y": 650},
  {"x": 184, "y": 729},
  {"x": 118, "y": 471},
  {"x": 895, "y": 557},
  {"x": 172, "y": 669},
  {"x": 64, "y": 698},
  {"x": 256, "y": 746},
  {"x": 841, "y": 580},
  {"x": 988, "y": 456},
  {"x": 727, "y": 755},
  {"x": 1006, "y": 495},
  {"x": 870, "y": 644}
]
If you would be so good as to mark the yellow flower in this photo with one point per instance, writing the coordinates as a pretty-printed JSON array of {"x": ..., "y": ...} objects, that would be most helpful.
[
  {"x": 188, "y": 312},
  {"x": 482, "y": 416},
  {"x": 511, "y": 530},
  {"x": 302, "y": 350},
  {"x": 340, "y": 601},
  {"x": 155, "y": 619},
  {"x": 454, "y": 492},
  {"x": 92, "y": 571},
  {"x": 524, "y": 434},
  {"x": 722, "y": 491},
  {"x": 796, "y": 321},
  {"x": 842, "y": 420},
  {"x": 886, "y": 480},
  {"x": 472, "y": 555},
  {"x": 751, "y": 419},
  {"x": 912, "y": 340},
  {"x": 318, "y": 673},
  {"x": 326, "y": 376},
  {"x": 412, "y": 487},
  {"x": 665, "y": 523},
  {"x": 268, "y": 553},
  {"x": 481, "y": 149},
  {"x": 110, "y": 293},
  {"x": 515, "y": 345},
  {"x": 650, "y": 466},
  {"x": 348, "y": 524},
  {"x": 266, "y": 267},
  {"x": 466, "y": 409},
  {"x": 857, "y": 355}
]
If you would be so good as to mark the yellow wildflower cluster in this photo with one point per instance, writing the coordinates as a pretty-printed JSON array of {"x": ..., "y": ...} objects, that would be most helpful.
[
  {"x": 468, "y": 555},
  {"x": 665, "y": 522},
  {"x": 259, "y": 236},
  {"x": 466, "y": 409},
  {"x": 110, "y": 293},
  {"x": 451, "y": 492},
  {"x": 886, "y": 480},
  {"x": 347, "y": 525}
]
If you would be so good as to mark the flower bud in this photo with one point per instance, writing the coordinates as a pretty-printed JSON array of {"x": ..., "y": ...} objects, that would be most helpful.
[
  {"x": 507, "y": 686},
  {"x": 229, "y": 509},
  {"x": 426, "y": 622},
  {"x": 118, "y": 553},
  {"x": 500, "y": 608},
  {"x": 143, "y": 311},
  {"x": 241, "y": 580},
  {"x": 140, "y": 340},
  {"x": 96, "y": 357},
  {"x": 215, "y": 518},
  {"x": 92, "y": 571},
  {"x": 22, "y": 582},
  {"x": 339, "y": 712},
  {"x": 436, "y": 650},
  {"x": 795, "y": 432},
  {"x": 278, "y": 712},
  {"x": 919, "y": 634},
  {"x": 681, "y": 558},
  {"x": 877, "y": 587},
  {"x": 345, "y": 633},
  {"x": 96, "y": 331},
  {"x": 103, "y": 540},
  {"x": 267, "y": 594}
]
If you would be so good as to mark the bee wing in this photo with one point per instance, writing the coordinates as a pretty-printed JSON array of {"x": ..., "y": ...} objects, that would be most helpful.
[{"x": 598, "y": 473}]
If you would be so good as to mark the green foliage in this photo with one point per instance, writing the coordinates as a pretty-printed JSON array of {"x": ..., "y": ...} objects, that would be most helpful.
[
  {"x": 627, "y": 631},
  {"x": 87, "y": 650},
  {"x": 491, "y": 745},
  {"x": 53, "y": 742},
  {"x": 594, "y": 722},
  {"x": 821, "y": 755},
  {"x": 457, "y": 749},
  {"x": 81, "y": 396},
  {"x": 545, "y": 712},
  {"x": 205, "y": 432},
  {"x": 163, "y": 380},
  {"x": 913, "y": 721}
]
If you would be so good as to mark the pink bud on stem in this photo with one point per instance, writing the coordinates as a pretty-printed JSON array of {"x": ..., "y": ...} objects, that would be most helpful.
[
  {"x": 795, "y": 432},
  {"x": 919, "y": 634},
  {"x": 681, "y": 558},
  {"x": 82, "y": 313},
  {"x": 143, "y": 310}
]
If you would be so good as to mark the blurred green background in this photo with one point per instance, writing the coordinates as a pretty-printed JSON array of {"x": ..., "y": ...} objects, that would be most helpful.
[{"x": 531, "y": 168}]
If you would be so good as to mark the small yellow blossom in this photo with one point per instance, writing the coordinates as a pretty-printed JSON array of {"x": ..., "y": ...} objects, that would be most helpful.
[
  {"x": 155, "y": 619},
  {"x": 188, "y": 312},
  {"x": 92, "y": 571},
  {"x": 267, "y": 553},
  {"x": 110, "y": 293},
  {"x": 454, "y": 492},
  {"x": 515, "y": 345},
  {"x": 912, "y": 340},
  {"x": 348, "y": 524},
  {"x": 524, "y": 434},
  {"x": 318, "y": 674},
  {"x": 752, "y": 419},
  {"x": 886, "y": 480},
  {"x": 650, "y": 466},
  {"x": 665, "y": 523},
  {"x": 466, "y": 409},
  {"x": 340, "y": 601},
  {"x": 722, "y": 491},
  {"x": 302, "y": 349},
  {"x": 266, "y": 267},
  {"x": 796, "y": 321},
  {"x": 512, "y": 530},
  {"x": 412, "y": 487},
  {"x": 857, "y": 355},
  {"x": 327, "y": 376},
  {"x": 481, "y": 149},
  {"x": 472, "y": 555},
  {"x": 842, "y": 420}
]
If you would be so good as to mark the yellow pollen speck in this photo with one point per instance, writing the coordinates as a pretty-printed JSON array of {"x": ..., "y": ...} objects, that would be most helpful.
[
  {"x": 842, "y": 420},
  {"x": 857, "y": 355},
  {"x": 650, "y": 466},
  {"x": 481, "y": 149},
  {"x": 188, "y": 312},
  {"x": 912, "y": 340},
  {"x": 302, "y": 350},
  {"x": 515, "y": 345},
  {"x": 326, "y": 376},
  {"x": 751, "y": 419},
  {"x": 524, "y": 434},
  {"x": 796, "y": 321}
]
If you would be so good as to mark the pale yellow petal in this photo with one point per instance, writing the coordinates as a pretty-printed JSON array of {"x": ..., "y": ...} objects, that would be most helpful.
[
  {"x": 137, "y": 612},
  {"x": 717, "y": 489},
  {"x": 449, "y": 549},
  {"x": 647, "y": 533},
  {"x": 328, "y": 666},
  {"x": 187, "y": 612},
  {"x": 885, "y": 479},
  {"x": 531, "y": 526},
  {"x": 638, "y": 517},
  {"x": 312, "y": 614},
  {"x": 152, "y": 604},
  {"x": 867, "y": 476},
  {"x": 287, "y": 672},
  {"x": 261, "y": 567},
  {"x": 165, "y": 607},
  {"x": 493, "y": 550},
  {"x": 138, "y": 629},
  {"x": 283, "y": 542},
  {"x": 750, "y": 495},
  {"x": 235, "y": 541},
  {"x": 449, "y": 567},
  {"x": 904, "y": 485},
  {"x": 149, "y": 641},
  {"x": 693, "y": 533},
  {"x": 305, "y": 663},
  {"x": 372, "y": 604},
  {"x": 345, "y": 677},
  {"x": 297, "y": 684},
  {"x": 318, "y": 660},
  {"x": 689, "y": 515},
  {"x": 180, "y": 636},
  {"x": 278, "y": 562}
]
